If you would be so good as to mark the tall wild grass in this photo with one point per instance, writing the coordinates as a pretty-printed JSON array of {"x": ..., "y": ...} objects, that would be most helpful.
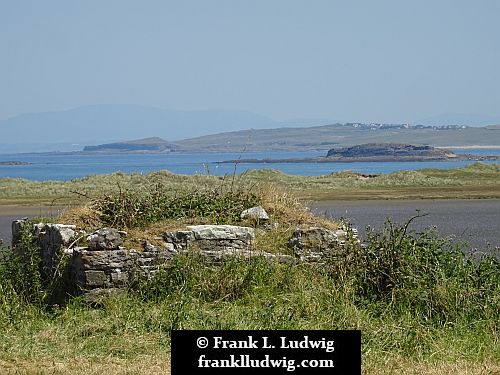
[{"x": 415, "y": 297}]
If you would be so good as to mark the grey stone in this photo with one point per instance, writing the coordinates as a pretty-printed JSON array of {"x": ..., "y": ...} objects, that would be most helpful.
[
  {"x": 65, "y": 232},
  {"x": 222, "y": 232},
  {"x": 170, "y": 247},
  {"x": 96, "y": 269},
  {"x": 210, "y": 238},
  {"x": 119, "y": 278},
  {"x": 95, "y": 278},
  {"x": 255, "y": 213},
  {"x": 105, "y": 259},
  {"x": 310, "y": 244},
  {"x": 52, "y": 235},
  {"x": 148, "y": 246},
  {"x": 178, "y": 240},
  {"x": 105, "y": 239}
]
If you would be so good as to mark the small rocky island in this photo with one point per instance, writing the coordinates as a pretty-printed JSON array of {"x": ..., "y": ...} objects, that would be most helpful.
[
  {"x": 378, "y": 152},
  {"x": 390, "y": 151},
  {"x": 15, "y": 163}
]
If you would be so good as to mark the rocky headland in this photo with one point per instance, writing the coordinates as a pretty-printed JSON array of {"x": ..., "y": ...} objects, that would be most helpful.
[{"x": 145, "y": 145}]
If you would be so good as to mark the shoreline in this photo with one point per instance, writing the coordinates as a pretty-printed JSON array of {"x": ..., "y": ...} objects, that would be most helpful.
[
  {"x": 213, "y": 151},
  {"x": 496, "y": 147}
]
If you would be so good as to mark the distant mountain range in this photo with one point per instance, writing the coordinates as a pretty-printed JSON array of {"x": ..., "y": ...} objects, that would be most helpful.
[
  {"x": 213, "y": 130},
  {"x": 111, "y": 123},
  {"x": 316, "y": 138}
]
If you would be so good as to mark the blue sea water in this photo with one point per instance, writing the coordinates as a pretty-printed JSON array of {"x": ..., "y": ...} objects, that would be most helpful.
[{"x": 70, "y": 166}]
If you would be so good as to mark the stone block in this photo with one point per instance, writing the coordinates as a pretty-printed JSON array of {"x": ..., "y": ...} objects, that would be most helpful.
[
  {"x": 222, "y": 232},
  {"x": 96, "y": 278},
  {"x": 119, "y": 278},
  {"x": 310, "y": 244}
]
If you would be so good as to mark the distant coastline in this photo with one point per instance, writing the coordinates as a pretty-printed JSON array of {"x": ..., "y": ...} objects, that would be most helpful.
[
  {"x": 471, "y": 147},
  {"x": 379, "y": 152},
  {"x": 381, "y": 159}
]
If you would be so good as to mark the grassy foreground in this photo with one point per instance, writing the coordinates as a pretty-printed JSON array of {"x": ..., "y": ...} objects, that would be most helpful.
[
  {"x": 422, "y": 306},
  {"x": 420, "y": 310},
  {"x": 474, "y": 181}
]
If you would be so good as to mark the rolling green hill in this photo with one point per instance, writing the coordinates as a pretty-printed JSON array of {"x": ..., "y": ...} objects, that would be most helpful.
[{"x": 326, "y": 137}]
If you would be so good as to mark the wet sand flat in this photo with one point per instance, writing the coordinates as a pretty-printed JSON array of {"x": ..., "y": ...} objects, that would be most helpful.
[{"x": 476, "y": 221}]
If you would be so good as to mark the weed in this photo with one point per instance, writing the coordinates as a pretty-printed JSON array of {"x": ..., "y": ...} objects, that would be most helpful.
[
  {"x": 400, "y": 272},
  {"x": 130, "y": 208},
  {"x": 418, "y": 301}
]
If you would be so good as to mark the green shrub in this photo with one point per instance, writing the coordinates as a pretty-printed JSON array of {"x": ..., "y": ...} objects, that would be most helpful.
[
  {"x": 22, "y": 281},
  {"x": 400, "y": 272},
  {"x": 20, "y": 269},
  {"x": 132, "y": 208}
]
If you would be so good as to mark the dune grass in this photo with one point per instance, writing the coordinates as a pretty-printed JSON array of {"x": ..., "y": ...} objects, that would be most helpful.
[{"x": 474, "y": 181}]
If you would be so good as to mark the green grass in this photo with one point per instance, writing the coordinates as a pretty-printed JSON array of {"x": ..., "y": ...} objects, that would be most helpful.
[
  {"x": 474, "y": 181},
  {"x": 420, "y": 305}
]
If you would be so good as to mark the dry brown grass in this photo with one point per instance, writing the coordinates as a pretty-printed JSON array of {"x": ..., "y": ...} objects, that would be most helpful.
[
  {"x": 286, "y": 209},
  {"x": 136, "y": 236},
  {"x": 489, "y": 367},
  {"x": 161, "y": 365},
  {"x": 89, "y": 366},
  {"x": 84, "y": 216}
]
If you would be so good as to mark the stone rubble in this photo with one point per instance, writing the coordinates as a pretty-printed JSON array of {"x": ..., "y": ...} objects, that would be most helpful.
[
  {"x": 310, "y": 244},
  {"x": 103, "y": 264},
  {"x": 105, "y": 239}
]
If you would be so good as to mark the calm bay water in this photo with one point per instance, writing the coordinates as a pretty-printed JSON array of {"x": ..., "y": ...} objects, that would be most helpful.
[{"x": 66, "y": 167}]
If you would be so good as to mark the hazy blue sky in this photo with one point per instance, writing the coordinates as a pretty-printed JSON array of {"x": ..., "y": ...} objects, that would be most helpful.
[{"x": 388, "y": 61}]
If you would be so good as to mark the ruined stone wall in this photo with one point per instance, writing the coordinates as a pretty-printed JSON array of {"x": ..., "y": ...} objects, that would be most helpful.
[{"x": 104, "y": 264}]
